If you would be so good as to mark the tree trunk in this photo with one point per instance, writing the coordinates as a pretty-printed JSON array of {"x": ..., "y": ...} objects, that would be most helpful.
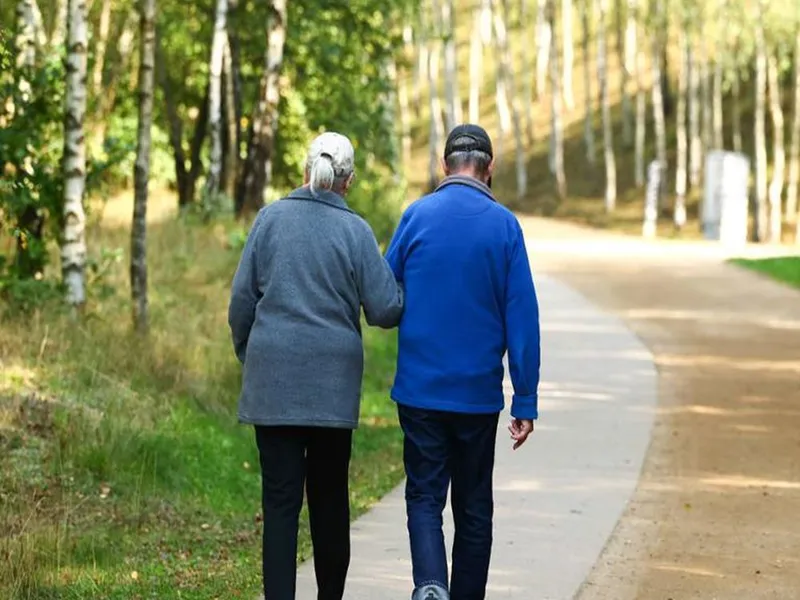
[
  {"x": 557, "y": 136},
  {"x": 641, "y": 113},
  {"x": 73, "y": 241},
  {"x": 119, "y": 67},
  {"x": 258, "y": 166},
  {"x": 528, "y": 68},
  {"x": 420, "y": 69},
  {"x": 25, "y": 40},
  {"x": 760, "y": 136},
  {"x": 502, "y": 91},
  {"x": 623, "y": 50},
  {"x": 215, "y": 97},
  {"x": 506, "y": 75},
  {"x": 778, "y": 153},
  {"x": 475, "y": 66},
  {"x": 588, "y": 120},
  {"x": 794, "y": 151},
  {"x": 100, "y": 49},
  {"x": 402, "y": 98},
  {"x": 453, "y": 109},
  {"x": 719, "y": 140},
  {"x": 141, "y": 170},
  {"x": 544, "y": 33},
  {"x": 695, "y": 141},
  {"x": 679, "y": 215},
  {"x": 436, "y": 130},
  {"x": 231, "y": 161},
  {"x": 705, "y": 91},
  {"x": 658, "y": 93},
  {"x": 59, "y": 32},
  {"x": 736, "y": 112},
  {"x": 608, "y": 132},
  {"x": 568, "y": 45}
]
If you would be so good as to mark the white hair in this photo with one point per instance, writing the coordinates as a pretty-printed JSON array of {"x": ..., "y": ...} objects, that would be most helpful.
[{"x": 330, "y": 161}]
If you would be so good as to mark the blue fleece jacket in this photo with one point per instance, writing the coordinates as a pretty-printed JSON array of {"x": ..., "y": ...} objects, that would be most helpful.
[{"x": 470, "y": 297}]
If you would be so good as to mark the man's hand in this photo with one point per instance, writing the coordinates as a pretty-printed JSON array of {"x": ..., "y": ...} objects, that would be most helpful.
[{"x": 520, "y": 429}]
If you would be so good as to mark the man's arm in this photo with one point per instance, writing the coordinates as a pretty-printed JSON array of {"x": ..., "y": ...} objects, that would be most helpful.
[
  {"x": 245, "y": 293},
  {"x": 522, "y": 333}
]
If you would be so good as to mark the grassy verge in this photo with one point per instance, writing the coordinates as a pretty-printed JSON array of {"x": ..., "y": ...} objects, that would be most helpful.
[
  {"x": 124, "y": 473},
  {"x": 785, "y": 269}
]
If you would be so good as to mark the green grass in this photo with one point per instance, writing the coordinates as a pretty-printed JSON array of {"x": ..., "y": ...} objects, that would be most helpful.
[
  {"x": 124, "y": 473},
  {"x": 785, "y": 269}
]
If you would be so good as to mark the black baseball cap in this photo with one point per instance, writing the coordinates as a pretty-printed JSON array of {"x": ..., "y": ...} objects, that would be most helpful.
[{"x": 479, "y": 140}]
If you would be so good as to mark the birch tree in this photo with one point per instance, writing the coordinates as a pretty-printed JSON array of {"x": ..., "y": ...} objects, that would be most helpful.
[
  {"x": 475, "y": 64},
  {"x": 608, "y": 132},
  {"x": 231, "y": 161},
  {"x": 696, "y": 142},
  {"x": 141, "y": 170},
  {"x": 506, "y": 75},
  {"x": 641, "y": 107},
  {"x": 73, "y": 237},
  {"x": 586, "y": 11},
  {"x": 501, "y": 88},
  {"x": 403, "y": 100},
  {"x": 626, "y": 47},
  {"x": 453, "y": 109},
  {"x": 436, "y": 130},
  {"x": 215, "y": 96},
  {"x": 778, "y": 153},
  {"x": 59, "y": 32},
  {"x": 679, "y": 215},
  {"x": 258, "y": 165},
  {"x": 736, "y": 111},
  {"x": 659, "y": 22},
  {"x": 26, "y": 36},
  {"x": 794, "y": 149},
  {"x": 103, "y": 30},
  {"x": 705, "y": 93},
  {"x": 568, "y": 53},
  {"x": 760, "y": 137},
  {"x": 528, "y": 67},
  {"x": 544, "y": 34}
]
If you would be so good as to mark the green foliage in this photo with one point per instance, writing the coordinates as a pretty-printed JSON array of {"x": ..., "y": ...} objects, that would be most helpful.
[{"x": 785, "y": 269}]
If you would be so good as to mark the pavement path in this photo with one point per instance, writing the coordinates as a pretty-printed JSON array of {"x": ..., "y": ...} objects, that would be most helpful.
[{"x": 559, "y": 497}]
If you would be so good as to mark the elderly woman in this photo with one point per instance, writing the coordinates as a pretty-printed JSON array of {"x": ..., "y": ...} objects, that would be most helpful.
[{"x": 309, "y": 265}]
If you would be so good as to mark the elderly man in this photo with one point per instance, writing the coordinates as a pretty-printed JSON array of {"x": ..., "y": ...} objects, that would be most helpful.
[{"x": 470, "y": 298}]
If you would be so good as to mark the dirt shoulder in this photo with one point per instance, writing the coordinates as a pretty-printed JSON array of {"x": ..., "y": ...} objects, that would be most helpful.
[{"x": 715, "y": 514}]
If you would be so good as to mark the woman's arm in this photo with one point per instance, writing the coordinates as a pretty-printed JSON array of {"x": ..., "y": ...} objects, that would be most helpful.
[
  {"x": 381, "y": 294},
  {"x": 245, "y": 292}
]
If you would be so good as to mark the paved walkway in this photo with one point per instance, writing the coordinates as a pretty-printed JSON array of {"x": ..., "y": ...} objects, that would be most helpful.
[{"x": 560, "y": 496}]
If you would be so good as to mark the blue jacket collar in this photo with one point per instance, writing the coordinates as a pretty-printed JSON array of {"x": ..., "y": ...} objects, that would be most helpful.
[
  {"x": 323, "y": 196},
  {"x": 469, "y": 182}
]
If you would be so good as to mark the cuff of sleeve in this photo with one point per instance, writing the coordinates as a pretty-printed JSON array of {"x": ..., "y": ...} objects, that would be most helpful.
[{"x": 525, "y": 407}]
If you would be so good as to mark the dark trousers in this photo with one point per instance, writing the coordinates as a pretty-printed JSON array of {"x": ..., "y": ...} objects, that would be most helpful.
[
  {"x": 319, "y": 458},
  {"x": 440, "y": 448}
]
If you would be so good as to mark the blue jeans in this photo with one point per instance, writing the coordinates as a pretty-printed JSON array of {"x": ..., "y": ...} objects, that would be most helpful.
[{"x": 441, "y": 447}]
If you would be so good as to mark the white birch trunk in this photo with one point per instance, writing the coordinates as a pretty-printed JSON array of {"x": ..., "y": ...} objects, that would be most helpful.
[
  {"x": 100, "y": 48},
  {"x": 502, "y": 91},
  {"x": 436, "y": 135},
  {"x": 794, "y": 149},
  {"x": 719, "y": 139},
  {"x": 403, "y": 100},
  {"x": 453, "y": 112},
  {"x": 641, "y": 114},
  {"x": 475, "y": 66},
  {"x": 760, "y": 136},
  {"x": 25, "y": 40},
  {"x": 420, "y": 69},
  {"x": 232, "y": 158},
  {"x": 658, "y": 93},
  {"x": 736, "y": 112},
  {"x": 73, "y": 238},
  {"x": 695, "y": 141},
  {"x": 528, "y": 67},
  {"x": 778, "y": 153},
  {"x": 608, "y": 132},
  {"x": 141, "y": 170},
  {"x": 588, "y": 120},
  {"x": 544, "y": 33},
  {"x": 215, "y": 97},
  {"x": 59, "y": 33},
  {"x": 679, "y": 215},
  {"x": 705, "y": 91},
  {"x": 624, "y": 51},
  {"x": 568, "y": 45},
  {"x": 506, "y": 75}
]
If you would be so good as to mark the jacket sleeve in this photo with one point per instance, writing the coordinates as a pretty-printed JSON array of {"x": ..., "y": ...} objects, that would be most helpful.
[
  {"x": 245, "y": 292},
  {"x": 381, "y": 294},
  {"x": 522, "y": 332},
  {"x": 396, "y": 254}
]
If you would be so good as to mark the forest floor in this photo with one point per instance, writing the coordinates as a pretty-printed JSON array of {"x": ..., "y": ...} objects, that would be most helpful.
[
  {"x": 124, "y": 473},
  {"x": 714, "y": 514}
]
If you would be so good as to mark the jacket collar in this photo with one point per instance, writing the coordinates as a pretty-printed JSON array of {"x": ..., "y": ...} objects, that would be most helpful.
[
  {"x": 323, "y": 196},
  {"x": 469, "y": 182}
]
